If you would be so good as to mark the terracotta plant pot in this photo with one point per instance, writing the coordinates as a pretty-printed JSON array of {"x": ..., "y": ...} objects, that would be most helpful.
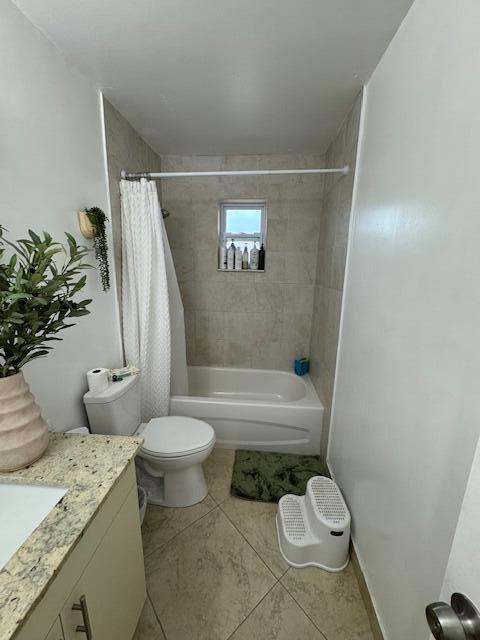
[{"x": 23, "y": 432}]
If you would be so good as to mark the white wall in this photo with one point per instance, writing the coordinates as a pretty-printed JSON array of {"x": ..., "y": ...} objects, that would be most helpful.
[
  {"x": 406, "y": 412},
  {"x": 52, "y": 164},
  {"x": 463, "y": 569}
]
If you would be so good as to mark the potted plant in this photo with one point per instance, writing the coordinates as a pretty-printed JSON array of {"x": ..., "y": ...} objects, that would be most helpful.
[{"x": 39, "y": 279}]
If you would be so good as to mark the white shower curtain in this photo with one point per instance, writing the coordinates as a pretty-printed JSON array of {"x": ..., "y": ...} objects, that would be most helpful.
[{"x": 145, "y": 296}]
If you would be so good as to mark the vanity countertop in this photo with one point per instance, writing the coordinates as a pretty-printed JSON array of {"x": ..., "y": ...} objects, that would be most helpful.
[{"x": 88, "y": 467}]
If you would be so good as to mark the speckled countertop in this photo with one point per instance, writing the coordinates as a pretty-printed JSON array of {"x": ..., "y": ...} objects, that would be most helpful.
[{"x": 89, "y": 467}]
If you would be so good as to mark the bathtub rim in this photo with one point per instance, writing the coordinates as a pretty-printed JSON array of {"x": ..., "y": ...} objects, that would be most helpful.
[{"x": 310, "y": 399}]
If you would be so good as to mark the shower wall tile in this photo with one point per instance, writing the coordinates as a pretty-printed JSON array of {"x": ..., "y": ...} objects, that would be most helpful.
[
  {"x": 276, "y": 208},
  {"x": 275, "y": 268},
  {"x": 269, "y": 355},
  {"x": 267, "y": 326},
  {"x": 179, "y": 191},
  {"x": 238, "y": 327},
  {"x": 206, "y": 266},
  {"x": 277, "y": 233},
  {"x": 253, "y": 333},
  {"x": 240, "y": 163},
  {"x": 302, "y": 233},
  {"x": 233, "y": 187},
  {"x": 177, "y": 163},
  {"x": 183, "y": 260},
  {"x": 329, "y": 273},
  {"x": 209, "y": 295},
  {"x": 239, "y": 294},
  {"x": 209, "y": 326},
  {"x": 300, "y": 267},
  {"x": 299, "y": 298},
  {"x": 187, "y": 291},
  {"x": 269, "y": 297},
  {"x": 180, "y": 233},
  {"x": 237, "y": 354},
  {"x": 209, "y": 352},
  {"x": 125, "y": 150},
  {"x": 296, "y": 329}
]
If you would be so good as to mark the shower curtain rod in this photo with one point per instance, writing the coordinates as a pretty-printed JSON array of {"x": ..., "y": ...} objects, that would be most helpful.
[{"x": 267, "y": 172}]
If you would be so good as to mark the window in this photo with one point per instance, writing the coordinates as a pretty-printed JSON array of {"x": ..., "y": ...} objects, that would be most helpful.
[{"x": 242, "y": 222}]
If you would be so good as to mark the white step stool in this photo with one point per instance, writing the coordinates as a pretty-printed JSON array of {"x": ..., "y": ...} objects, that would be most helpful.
[{"x": 314, "y": 529}]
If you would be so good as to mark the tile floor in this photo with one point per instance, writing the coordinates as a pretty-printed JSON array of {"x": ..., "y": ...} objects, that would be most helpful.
[{"x": 214, "y": 572}]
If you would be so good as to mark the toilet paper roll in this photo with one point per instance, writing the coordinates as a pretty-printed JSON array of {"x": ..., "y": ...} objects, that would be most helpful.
[{"x": 97, "y": 379}]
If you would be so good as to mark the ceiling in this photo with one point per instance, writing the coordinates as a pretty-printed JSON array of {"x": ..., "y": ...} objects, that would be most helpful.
[{"x": 225, "y": 76}]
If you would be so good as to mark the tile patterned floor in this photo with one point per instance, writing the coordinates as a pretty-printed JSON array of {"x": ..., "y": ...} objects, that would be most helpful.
[{"x": 214, "y": 572}]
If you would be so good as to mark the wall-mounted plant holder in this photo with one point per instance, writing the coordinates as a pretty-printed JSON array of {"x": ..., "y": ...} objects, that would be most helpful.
[
  {"x": 92, "y": 226},
  {"x": 86, "y": 227}
]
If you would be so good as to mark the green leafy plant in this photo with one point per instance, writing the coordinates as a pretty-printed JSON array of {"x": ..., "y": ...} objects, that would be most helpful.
[
  {"x": 36, "y": 296},
  {"x": 97, "y": 217}
]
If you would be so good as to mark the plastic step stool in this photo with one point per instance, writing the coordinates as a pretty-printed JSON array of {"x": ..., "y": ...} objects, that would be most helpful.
[{"x": 314, "y": 529}]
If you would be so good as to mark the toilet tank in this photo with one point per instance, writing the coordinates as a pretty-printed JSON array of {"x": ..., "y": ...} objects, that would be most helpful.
[{"x": 115, "y": 411}]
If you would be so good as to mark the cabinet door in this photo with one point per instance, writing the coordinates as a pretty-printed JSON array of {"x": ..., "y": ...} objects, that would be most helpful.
[
  {"x": 107, "y": 600},
  {"x": 56, "y": 632}
]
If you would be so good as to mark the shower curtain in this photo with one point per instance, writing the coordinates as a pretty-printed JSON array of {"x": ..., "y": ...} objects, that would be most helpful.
[{"x": 150, "y": 297}]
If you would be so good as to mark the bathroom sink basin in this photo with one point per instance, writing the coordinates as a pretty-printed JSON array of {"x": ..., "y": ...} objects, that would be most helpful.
[{"x": 22, "y": 509}]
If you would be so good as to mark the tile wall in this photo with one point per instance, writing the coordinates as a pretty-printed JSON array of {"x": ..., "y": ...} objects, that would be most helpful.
[
  {"x": 245, "y": 319},
  {"x": 260, "y": 320},
  {"x": 125, "y": 150},
  {"x": 334, "y": 224}
]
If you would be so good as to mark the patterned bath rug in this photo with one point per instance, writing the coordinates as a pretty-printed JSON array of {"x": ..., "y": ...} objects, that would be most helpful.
[{"x": 266, "y": 476}]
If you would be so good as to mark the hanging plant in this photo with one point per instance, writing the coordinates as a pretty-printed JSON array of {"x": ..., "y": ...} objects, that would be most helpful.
[{"x": 97, "y": 217}]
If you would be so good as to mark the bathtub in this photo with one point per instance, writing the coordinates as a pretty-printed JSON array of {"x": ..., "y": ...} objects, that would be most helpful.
[{"x": 254, "y": 408}]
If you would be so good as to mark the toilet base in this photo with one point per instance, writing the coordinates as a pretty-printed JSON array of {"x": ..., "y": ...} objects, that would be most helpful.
[{"x": 175, "y": 488}]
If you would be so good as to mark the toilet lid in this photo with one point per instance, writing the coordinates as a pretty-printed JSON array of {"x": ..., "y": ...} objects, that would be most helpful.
[{"x": 176, "y": 436}]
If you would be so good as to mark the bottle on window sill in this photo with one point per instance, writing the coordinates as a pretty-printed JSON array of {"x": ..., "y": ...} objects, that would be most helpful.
[
  {"x": 254, "y": 257},
  {"x": 238, "y": 259},
  {"x": 223, "y": 256},
  {"x": 245, "y": 258},
  {"x": 261, "y": 258},
  {"x": 231, "y": 256}
]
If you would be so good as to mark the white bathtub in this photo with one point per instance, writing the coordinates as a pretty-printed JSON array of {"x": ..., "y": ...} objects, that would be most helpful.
[{"x": 254, "y": 408}]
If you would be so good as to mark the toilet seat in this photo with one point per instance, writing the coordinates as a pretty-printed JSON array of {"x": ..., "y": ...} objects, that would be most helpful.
[{"x": 175, "y": 436}]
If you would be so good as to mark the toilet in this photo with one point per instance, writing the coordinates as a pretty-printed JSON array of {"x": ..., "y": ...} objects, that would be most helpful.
[{"x": 174, "y": 447}]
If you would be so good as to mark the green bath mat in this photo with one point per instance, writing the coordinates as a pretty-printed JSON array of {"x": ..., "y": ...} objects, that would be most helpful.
[{"x": 266, "y": 476}]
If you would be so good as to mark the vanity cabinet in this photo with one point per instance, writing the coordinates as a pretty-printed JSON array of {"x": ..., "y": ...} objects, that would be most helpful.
[
  {"x": 56, "y": 632},
  {"x": 107, "y": 599},
  {"x": 100, "y": 590}
]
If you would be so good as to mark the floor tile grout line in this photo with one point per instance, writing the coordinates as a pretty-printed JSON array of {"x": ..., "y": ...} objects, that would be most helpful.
[
  {"x": 167, "y": 542},
  {"x": 249, "y": 543},
  {"x": 216, "y": 506},
  {"x": 213, "y": 497},
  {"x": 302, "y": 608},
  {"x": 278, "y": 580},
  {"x": 252, "y": 610},
  {"x": 156, "y": 616},
  {"x": 245, "y": 538}
]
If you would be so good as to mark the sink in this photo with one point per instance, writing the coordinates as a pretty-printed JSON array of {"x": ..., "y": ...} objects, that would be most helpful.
[{"x": 22, "y": 509}]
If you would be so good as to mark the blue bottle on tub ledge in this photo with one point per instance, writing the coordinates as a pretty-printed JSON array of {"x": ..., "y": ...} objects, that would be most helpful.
[{"x": 302, "y": 365}]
